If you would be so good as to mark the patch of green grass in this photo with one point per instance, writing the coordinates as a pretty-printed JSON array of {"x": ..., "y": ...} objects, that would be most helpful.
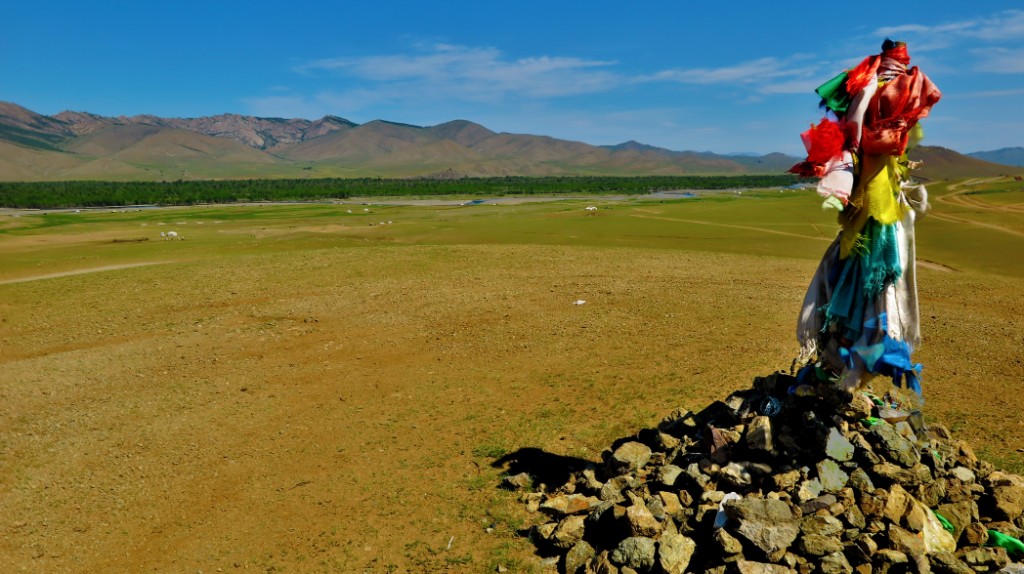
[{"x": 489, "y": 450}]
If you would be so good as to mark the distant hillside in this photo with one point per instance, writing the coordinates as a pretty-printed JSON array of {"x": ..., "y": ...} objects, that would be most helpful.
[
  {"x": 81, "y": 145},
  {"x": 1008, "y": 156},
  {"x": 939, "y": 163}
]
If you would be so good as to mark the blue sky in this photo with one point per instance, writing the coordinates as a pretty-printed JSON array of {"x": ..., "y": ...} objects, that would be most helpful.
[{"x": 711, "y": 76}]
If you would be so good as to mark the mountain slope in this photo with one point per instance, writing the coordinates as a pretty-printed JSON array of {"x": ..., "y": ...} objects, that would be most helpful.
[
  {"x": 1008, "y": 156},
  {"x": 940, "y": 163},
  {"x": 81, "y": 145}
]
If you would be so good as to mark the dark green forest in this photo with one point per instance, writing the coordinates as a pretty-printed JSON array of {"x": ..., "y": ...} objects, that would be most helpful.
[{"x": 48, "y": 195}]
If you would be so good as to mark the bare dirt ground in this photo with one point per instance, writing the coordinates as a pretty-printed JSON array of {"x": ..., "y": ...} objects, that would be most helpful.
[{"x": 329, "y": 409}]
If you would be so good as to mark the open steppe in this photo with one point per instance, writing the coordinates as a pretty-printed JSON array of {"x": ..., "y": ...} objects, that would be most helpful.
[{"x": 326, "y": 387}]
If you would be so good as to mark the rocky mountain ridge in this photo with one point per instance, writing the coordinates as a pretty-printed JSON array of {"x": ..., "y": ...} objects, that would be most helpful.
[{"x": 81, "y": 145}]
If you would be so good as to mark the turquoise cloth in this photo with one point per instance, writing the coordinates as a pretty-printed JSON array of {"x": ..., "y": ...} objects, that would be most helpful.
[{"x": 863, "y": 278}]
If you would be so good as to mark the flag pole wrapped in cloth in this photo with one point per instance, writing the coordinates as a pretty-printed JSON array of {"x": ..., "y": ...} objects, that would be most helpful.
[{"x": 860, "y": 317}]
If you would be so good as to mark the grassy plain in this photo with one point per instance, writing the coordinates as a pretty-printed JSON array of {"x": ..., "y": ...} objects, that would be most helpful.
[{"x": 298, "y": 388}]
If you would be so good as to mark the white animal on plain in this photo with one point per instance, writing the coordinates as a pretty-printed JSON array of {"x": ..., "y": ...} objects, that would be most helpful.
[
  {"x": 579, "y": 302},
  {"x": 164, "y": 235},
  {"x": 171, "y": 235},
  {"x": 591, "y": 208}
]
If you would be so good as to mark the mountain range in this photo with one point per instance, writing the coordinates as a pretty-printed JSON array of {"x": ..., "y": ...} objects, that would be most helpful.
[{"x": 84, "y": 146}]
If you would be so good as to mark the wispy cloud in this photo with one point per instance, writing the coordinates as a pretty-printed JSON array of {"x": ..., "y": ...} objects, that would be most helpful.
[
  {"x": 763, "y": 75},
  {"x": 1002, "y": 26},
  {"x": 992, "y": 94},
  {"x": 1000, "y": 60},
  {"x": 481, "y": 74}
]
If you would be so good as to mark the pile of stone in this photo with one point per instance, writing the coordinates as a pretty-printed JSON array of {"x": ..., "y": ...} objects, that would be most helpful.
[{"x": 769, "y": 481}]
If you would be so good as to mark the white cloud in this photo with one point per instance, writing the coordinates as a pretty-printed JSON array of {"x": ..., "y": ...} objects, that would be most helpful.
[
  {"x": 744, "y": 73},
  {"x": 478, "y": 74},
  {"x": 1000, "y": 60},
  {"x": 1005, "y": 25}
]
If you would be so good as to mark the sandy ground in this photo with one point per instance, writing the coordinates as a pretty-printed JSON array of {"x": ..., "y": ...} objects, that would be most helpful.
[{"x": 339, "y": 409}]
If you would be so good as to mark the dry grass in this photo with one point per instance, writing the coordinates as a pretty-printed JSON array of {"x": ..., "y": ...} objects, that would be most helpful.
[{"x": 332, "y": 400}]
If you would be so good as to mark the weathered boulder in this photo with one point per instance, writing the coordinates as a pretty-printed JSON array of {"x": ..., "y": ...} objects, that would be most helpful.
[
  {"x": 628, "y": 457},
  {"x": 577, "y": 557},
  {"x": 770, "y": 525},
  {"x": 636, "y": 552},
  {"x": 675, "y": 552}
]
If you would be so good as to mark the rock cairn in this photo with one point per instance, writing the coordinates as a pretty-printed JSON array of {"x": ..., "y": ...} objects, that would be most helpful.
[{"x": 767, "y": 481}]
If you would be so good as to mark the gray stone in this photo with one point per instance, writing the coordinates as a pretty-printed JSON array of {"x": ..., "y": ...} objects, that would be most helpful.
[
  {"x": 854, "y": 517},
  {"x": 873, "y": 503},
  {"x": 670, "y": 502},
  {"x": 629, "y": 457},
  {"x": 816, "y": 545},
  {"x": 759, "y": 434},
  {"x": 975, "y": 534},
  {"x": 600, "y": 564},
  {"x": 612, "y": 489},
  {"x": 577, "y": 557},
  {"x": 699, "y": 478},
  {"x": 948, "y": 563},
  {"x": 894, "y": 446},
  {"x": 786, "y": 480},
  {"x": 563, "y": 504},
  {"x": 963, "y": 474},
  {"x": 642, "y": 522},
  {"x": 987, "y": 557},
  {"x": 905, "y": 542},
  {"x": 635, "y": 552},
  {"x": 809, "y": 489},
  {"x": 668, "y": 474},
  {"x": 750, "y": 567},
  {"x": 1008, "y": 502},
  {"x": 931, "y": 493},
  {"x": 892, "y": 473},
  {"x": 860, "y": 480},
  {"x": 770, "y": 525},
  {"x": 886, "y": 559},
  {"x": 959, "y": 515},
  {"x": 543, "y": 531},
  {"x": 835, "y": 563},
  {"x": 838, "y": 447},
  {"x": 675, "y": 552},
  {"x": 897, "y": 503},
  {"x": 736, "y": 476},
  {"x": 832, "y": 478},
  {"x": 823, "y": 502},
  {"x": 728, "y": 543},
  {"x": 864, "y": 452},
  {"x": 568, "y": 532},
  {"x": 517, "y": 481},
  {"x": 821, "y": 526}
]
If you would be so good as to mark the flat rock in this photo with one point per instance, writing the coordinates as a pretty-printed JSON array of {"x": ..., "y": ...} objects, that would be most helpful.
[
  {"x": 577, "y": 557},
  {"x": 894, "y": 446},
  {"x": 835, "y": 563},
  {"x": 636, "y": 552},
  {"x": 568, "y": 532},
  {"x": 832, "y": 478},
  {"x": 750, "y": 567},
  {"x": 770, "y": 525},
  {"x": 675, "y": 552},
  {"x": 838, "y": 447},
  {"x": 629, "y": 457},
  {"x": 759, "y": 434}
]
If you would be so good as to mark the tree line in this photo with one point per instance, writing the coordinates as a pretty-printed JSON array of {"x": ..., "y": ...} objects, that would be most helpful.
[{"x": 59, "y": 194}]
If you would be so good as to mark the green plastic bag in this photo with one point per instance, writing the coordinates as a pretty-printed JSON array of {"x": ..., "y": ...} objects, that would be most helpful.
[{"x": 1013, "y": 546}]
